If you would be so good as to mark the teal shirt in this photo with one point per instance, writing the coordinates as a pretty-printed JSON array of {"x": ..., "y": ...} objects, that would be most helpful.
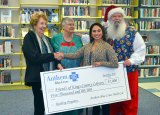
[{"x": 60, "y": 45}]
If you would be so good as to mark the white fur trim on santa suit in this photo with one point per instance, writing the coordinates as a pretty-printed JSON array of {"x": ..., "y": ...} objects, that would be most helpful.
[{"x": 114, "y": 11}]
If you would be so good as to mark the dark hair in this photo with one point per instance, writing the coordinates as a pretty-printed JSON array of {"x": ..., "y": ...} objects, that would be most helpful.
[{"x": 90, "y": 32}]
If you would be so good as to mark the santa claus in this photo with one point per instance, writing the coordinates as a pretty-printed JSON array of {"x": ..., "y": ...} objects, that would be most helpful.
[{"x": 130, "y": 48}]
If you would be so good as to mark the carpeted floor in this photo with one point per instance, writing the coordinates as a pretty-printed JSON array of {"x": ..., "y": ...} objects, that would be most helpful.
[
  {"x": 21, "y": 103},
  {"x": 153, "y": 87}
]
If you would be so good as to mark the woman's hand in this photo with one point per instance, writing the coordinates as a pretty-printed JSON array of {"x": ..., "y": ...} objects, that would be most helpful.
[
  {"x": 97, "y": 64},
  {"x": 60, "y": 67}
]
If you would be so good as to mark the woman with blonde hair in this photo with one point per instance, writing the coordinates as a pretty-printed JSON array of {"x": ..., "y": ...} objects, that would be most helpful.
[{"x": 39, "y": 56}]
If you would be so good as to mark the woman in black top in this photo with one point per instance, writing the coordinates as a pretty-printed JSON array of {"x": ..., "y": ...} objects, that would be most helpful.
[{"x": 39, "y": 57}]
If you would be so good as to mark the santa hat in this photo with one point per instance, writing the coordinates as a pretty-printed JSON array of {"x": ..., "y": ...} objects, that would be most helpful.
[{"x": 112, "y": 10}]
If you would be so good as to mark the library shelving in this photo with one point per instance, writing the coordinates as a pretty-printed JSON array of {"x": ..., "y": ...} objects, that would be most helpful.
[
  {"x": 10, "y": 45},
  {"x": 150, "y": 68},
  {"x": 82, "y": 11},
  {"x": 149, "y": 26},
  {"x": 49, "y": 8},
  {"x": 86, "y": 12}
]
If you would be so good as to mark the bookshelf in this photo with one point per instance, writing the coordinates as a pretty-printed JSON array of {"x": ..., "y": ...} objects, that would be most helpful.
[
  {"x": 95, "y": 11},
  {"x": 149, "y": 27},
  {"x": 82, "y": 11},
  {"x": 51, "y": 9},
  {"x": 150, "y": 68},
  {"x": 10, "y": 45},
  {"x": 130, "y": 7}
]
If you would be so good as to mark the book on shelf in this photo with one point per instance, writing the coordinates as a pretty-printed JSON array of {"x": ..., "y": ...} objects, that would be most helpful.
[
  {"x": 76, "y": 11},
  {"x": 149, "y": 25},
  {"x": 152, "y": 49},
  {"x": 5, "y": 77},
  {"x": 6, "y": 16},
  {"x": 1, "y": 49},
  {"x": 4, "y": 2},
  {"x": 7, "y": 47},
  {"x": 127, "y": 11},
  {"x": 25, "y": 17},
  {"x": 52, "y": 14},
  {"x": 140, "y": 73},
  {"x": 154, "y": 72},
  {"x": 76, "y": 1},
  {"x": 5, "y": 62},
  {"x": 149, "y": 72},
  {"x": 151, "y": 61},
  {"x": 149, "y": 12},
  {"x": 82, "y": 24},
  {"x": 150, "y": 2},
  {"x": 127, "y": 2},
  {"x": 7, "y": 31}
]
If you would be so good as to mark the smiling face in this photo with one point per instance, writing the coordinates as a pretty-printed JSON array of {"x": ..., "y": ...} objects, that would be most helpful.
[
  {"x": 117, "y": 19},
  {"x": 69, "y": 27},
  {"x": 40, "y": 26},
  {"x": 97, "y": 32}
]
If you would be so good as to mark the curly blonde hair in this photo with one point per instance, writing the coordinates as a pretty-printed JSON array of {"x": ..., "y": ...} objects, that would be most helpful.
[{"x": 35, "y": 18}]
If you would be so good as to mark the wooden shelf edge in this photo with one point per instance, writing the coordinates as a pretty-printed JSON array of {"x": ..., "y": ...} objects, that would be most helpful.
[
  {"x": 9, "y": 7},
  {"x": 4, "y": 54},
  {"x": 149, "y": 79},
  {"x": 9, "y": 38},
  {"x": 155, "y": 30},
  {"x": 149, "y": 66},
  {"x": 32, "y": 4},
  {"x": 149, "y": 6},
  {"x": 120, "y": 5},
  {"x": 67, "y": 4},
  {"x": 13, "y": 68},
  {"x": 12, "y": 23},
  {"x": 147, "y": 55},
  {"x": 88, "y": 17},
  {"x": 49, "y": 23},
  {"x": 13, "y": 87}
]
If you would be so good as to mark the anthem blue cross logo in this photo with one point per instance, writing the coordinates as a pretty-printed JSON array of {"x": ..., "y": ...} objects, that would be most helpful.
[{"x": 74, "y": 76}]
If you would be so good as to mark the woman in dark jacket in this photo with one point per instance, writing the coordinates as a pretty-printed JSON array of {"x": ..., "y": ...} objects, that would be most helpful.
[{"x": 39, "y": 56}]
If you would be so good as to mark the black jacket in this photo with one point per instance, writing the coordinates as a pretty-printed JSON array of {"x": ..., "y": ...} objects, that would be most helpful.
[{"x": 34, "y": 58}]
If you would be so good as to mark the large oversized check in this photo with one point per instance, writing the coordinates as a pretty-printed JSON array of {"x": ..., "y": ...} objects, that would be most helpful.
[{"x": 83, "y": 87}]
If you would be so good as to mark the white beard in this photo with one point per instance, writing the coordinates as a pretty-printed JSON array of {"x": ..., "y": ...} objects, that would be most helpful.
[{"x": 116, "y": 31}]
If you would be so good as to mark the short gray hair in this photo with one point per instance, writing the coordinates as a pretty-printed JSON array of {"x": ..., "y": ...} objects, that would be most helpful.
[{"x": 66, "y": 20}]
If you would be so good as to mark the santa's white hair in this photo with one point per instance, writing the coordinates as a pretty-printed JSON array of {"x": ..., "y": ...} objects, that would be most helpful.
[{"x": 116, "y": 31}]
